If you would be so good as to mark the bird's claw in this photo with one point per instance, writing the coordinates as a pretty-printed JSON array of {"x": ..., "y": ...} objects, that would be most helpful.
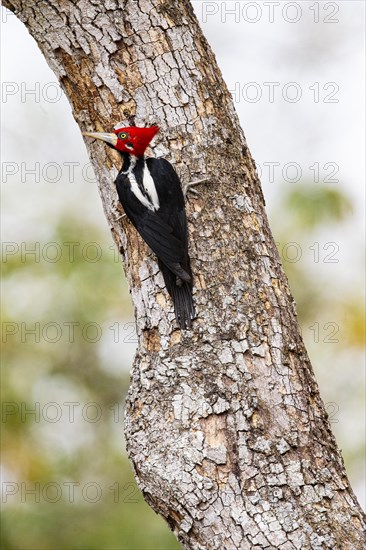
[{"x": 187, "y": 186}]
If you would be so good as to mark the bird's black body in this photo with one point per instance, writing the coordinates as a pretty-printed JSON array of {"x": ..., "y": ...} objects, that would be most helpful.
[{"x": 151, "y": 195}]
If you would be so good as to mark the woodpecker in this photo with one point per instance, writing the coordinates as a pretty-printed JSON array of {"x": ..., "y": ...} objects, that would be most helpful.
[{"x": 151, "y": 194}]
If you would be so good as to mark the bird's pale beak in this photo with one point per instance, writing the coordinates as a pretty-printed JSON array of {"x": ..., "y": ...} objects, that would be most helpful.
[{"x": 108, "y": 138}]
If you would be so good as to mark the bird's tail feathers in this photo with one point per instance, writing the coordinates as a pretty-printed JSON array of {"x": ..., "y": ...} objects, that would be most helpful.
[{"x": 181, "y": 294}]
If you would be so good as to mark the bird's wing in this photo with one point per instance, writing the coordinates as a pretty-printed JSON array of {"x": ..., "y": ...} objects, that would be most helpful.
[
  {"x": 168, "y": 186},
  {"x": 161, "y": 235}
]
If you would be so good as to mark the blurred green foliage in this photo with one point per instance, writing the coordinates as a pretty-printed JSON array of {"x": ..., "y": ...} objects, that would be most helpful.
[
  {"x": 309, "y": 208},
  {"x": 313, "y": 205}
]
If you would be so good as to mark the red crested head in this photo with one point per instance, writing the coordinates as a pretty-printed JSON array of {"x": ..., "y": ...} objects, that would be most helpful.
[
  {"x": 130, "y": 140},
  {"x": 134, "y": 140}
]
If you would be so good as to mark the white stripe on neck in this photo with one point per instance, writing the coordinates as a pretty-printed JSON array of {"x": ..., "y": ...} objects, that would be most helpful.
[
  {"x": 149, "y": 187},
  {"x": 148, "y": 184}
]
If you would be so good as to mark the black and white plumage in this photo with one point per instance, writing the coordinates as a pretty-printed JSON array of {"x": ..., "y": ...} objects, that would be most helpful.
[
  {"x": 150, "y": 192},
  {"x": 151, "y": 195}
]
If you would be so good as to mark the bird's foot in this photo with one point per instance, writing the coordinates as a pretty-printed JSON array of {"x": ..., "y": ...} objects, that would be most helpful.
[{"x": 187, "y": 186}]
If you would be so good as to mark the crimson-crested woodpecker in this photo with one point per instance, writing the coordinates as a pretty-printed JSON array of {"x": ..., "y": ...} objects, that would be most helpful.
[{"x": 151, "y": 194}]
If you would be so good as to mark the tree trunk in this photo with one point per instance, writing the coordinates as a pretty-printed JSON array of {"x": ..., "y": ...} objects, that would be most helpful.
[{"x": 225, "y": 427}]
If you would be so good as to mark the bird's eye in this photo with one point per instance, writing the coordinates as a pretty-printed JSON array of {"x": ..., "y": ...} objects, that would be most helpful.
[{"x": 122, "y": 135}]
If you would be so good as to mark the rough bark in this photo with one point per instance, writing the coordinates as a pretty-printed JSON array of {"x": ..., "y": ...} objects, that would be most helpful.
[{"x": 225, "y": 427}]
